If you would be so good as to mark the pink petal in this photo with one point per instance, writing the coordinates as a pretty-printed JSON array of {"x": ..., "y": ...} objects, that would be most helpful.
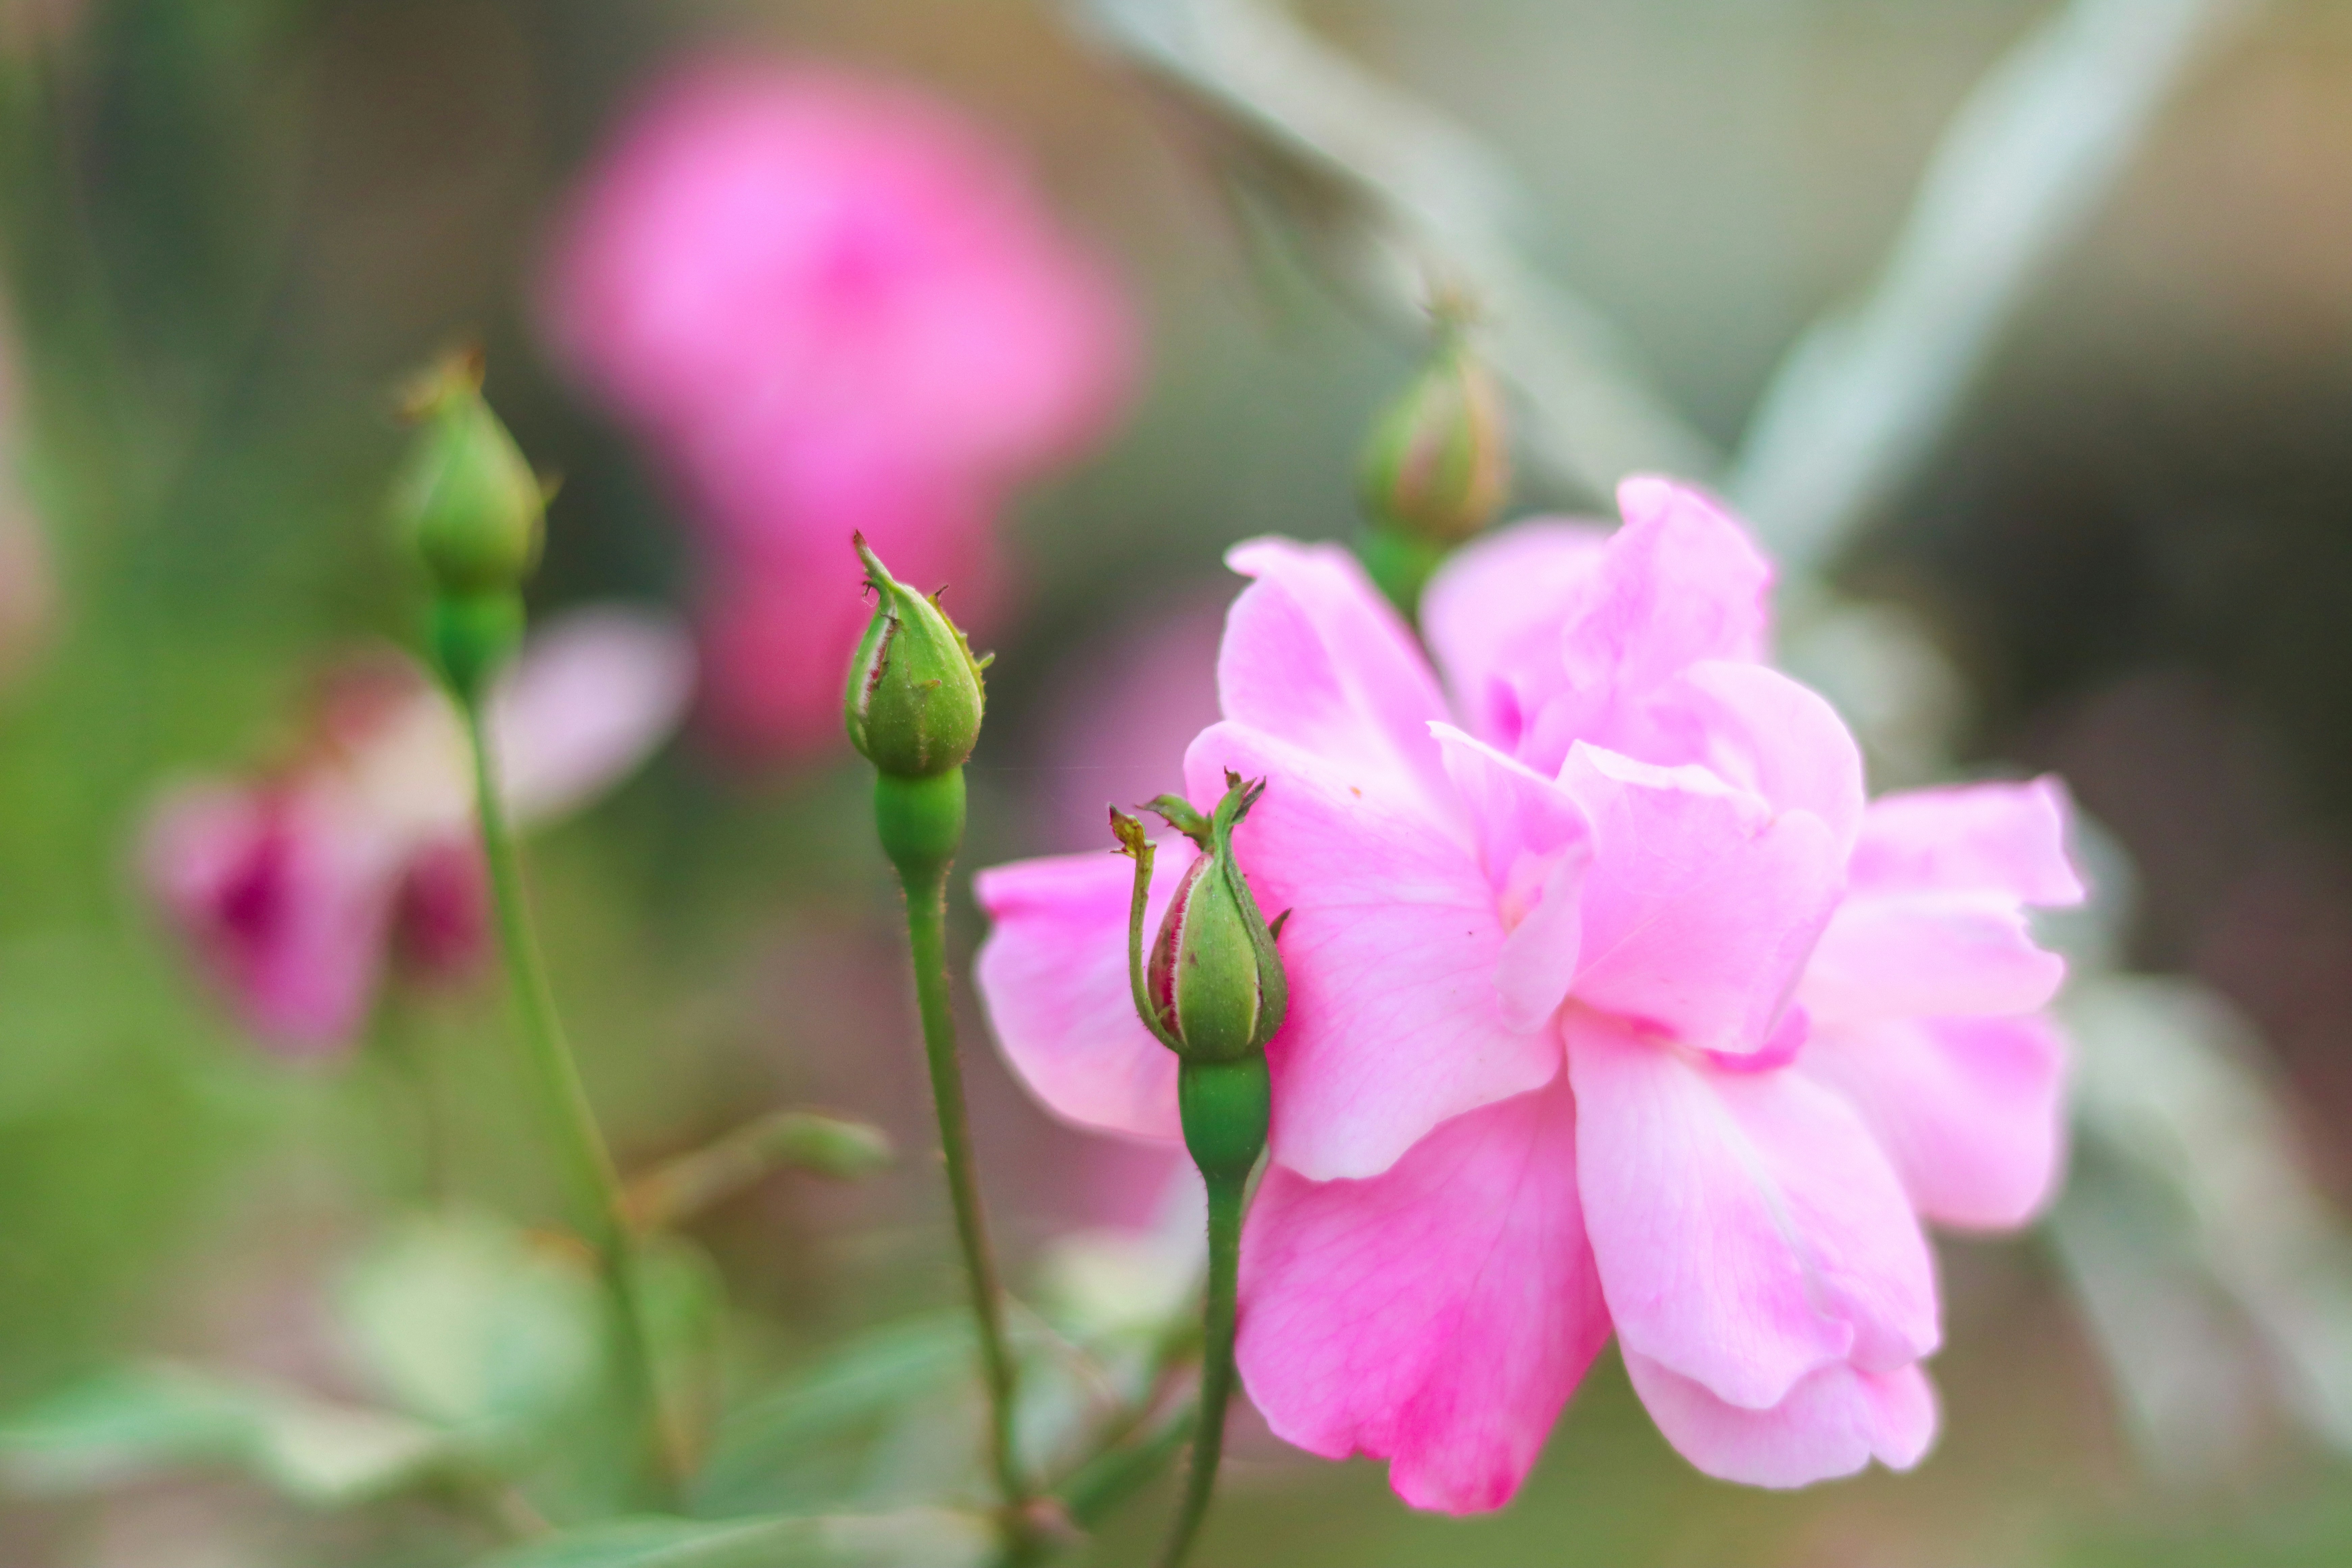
[
  {"x": 1314, "y": 655},
  {"x": 285, "y": 898},
  {"x": 1926, "y": 954},
  {"x": 1833, "y": 1423},
  {"x": 1492, "y": 617},
  {"x": 1535, "y": 847},
  {"x": 1758, "y": 731},
  {"x": 1747, "y": 1229},
  {"x": 2005, "y": 837},
  {"x": 592, "y": 696},
  {"x": 1681, "y": 583},
  {"x": 1701, "y": 903},
  {"x": 1052, "y": 977},
  {"x": 1970, "y": 1111},
  {"x": 1437, "y": 1316},
  {"x": 1395, "y": 1024}
]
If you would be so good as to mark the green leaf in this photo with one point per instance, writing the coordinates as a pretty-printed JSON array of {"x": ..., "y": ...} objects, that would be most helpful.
[
  {"x": 137, "y": 1420},
  {"x": 769, "y": 1451},
  {"x": 915, "y": 1538},
  {"x": 464, "y": 1322}
]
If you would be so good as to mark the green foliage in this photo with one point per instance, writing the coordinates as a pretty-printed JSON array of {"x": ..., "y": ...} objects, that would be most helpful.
[{"x": 933, "y": 1538}]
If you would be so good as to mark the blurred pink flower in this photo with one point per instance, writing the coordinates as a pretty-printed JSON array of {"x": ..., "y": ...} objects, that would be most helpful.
[
  {"x": 1614, "y": 1008},
  {"x": 829, "y": 303},
  {"x": 294, "y": 891}
]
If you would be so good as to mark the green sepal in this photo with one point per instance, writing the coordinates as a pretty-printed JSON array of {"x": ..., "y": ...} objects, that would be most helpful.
[
  {"x": 919, "y": 822},
  {"x": 915, "y": 697}
]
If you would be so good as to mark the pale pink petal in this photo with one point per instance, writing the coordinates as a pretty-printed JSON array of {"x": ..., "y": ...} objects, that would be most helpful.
[
  {"x": 593, "y": 695},
  {"x": 1395, "y": 1024},
  {"x": 1053, "y": 978},
  {"x": 2006, "y": 837},
  {"x": 285, "y": 900},
  {"x": 1681, "y": 583},
  {"x": 1749, "y": 1230},
  {"x": 1971, "y": 1110},
  {"x": 1437, "y": 1316},
  {"x": 1535, "y": 847},
  {"x": 1833, "y": 1423},
  {"x": 1315, "y": 656},
  {"x": 1701, "y": 903},
  {"x": 1757, "y": 729},
  {"x": 1924, "y": 955},
  {"x": 1492, "y": 617}
]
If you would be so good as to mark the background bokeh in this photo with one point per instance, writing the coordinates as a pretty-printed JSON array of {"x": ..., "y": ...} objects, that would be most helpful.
[{"x": 230, "y": 226}]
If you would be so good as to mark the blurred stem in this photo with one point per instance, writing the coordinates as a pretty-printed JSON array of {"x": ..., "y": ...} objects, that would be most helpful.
[
  {"x": 1228, "y": 1193},
  {"x": 920, "y": 824},
  {"x": 592, "y": 1182}
]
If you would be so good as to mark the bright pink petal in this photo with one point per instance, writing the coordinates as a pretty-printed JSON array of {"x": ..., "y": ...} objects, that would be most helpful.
[
  {"x": 1535, "y": 847},
  {"x": 1395, "y": 1024},
  {"x": 1833, "y": 1423},
  {"x": 592, "y": 696},
  {"x": 1927, "y": 954},
  {"x": 1492, "y": 617},
  {"x": 1052, "y": 977},
  {"x": 1314, "y": 655},
  {"x": 2004, "y": 838},
  {"x": 1757, "y": 729},
  {"x": 1681, "y": 583},
  {"x": 1970, "y": 1111},
  {"x": 1437, "y": 1316},
  {"x": 1701, "y": 903},
  {"x": 1749, "y": 1231}
]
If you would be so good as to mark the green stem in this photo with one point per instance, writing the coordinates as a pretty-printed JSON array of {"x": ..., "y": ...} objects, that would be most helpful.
[
  {"x": 1228, "y": 1191},
  {"x": 927, "y": 942},
  {"x": 592, "y": 1182},
  {"x": 424, "y": 1166}
]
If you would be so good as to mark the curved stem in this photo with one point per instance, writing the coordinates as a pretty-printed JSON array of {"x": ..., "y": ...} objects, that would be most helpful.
[
  {"x": 592, "y": 1184},
  {"x": 1227, "y": 1193},
  {"x": 927, "y": 944}
]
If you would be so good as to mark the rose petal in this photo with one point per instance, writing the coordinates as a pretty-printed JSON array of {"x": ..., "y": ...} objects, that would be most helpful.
[
  {"x": 1437, "y": 1316},
  {"x": 1701, "y": 903},
  {"x": 2004, "y": 838},
  {"x": 1391, "y": 950},
  {"x": 1492, "y": 617},
  {"x": 1535, "y": 847},
  {"x": 1928, "y": 955},
  {"x": 1747, "y": 1229},
  {"x": 1052, "y": 977},
  {"x": 1314, "y": 655},
  {"x": 1970, "y": 1111},
  {"x": 1833, "y": 1423}
]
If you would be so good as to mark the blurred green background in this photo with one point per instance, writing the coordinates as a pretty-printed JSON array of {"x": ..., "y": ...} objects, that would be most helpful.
[{"x": 231, "y": 225}]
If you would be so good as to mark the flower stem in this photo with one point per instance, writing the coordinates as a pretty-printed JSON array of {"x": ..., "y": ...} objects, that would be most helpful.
[
  {"x": 592, "y": 1184},
  {"x": 1228, "y": 1193},
  {"x": 920, "y": 824}
]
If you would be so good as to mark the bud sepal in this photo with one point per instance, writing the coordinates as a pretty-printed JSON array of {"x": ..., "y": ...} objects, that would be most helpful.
[
  {"x": 1213, "y": 988},
  {"x": 915, "y": 697},
  {"x": 466, "y": 498}
]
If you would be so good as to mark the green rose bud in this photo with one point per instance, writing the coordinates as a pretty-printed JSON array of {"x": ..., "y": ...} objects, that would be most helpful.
[
  {"x": 914, "y": 703},
  {"x": 1212, "y": 990},
  {"x": 466, "y": 498},
  {"x": 1438, "y": 467}
]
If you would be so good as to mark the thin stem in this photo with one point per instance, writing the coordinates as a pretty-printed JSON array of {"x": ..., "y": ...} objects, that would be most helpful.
[
  {"x": 927, "y": 944},
  {"x": 591, "y": 1182},
  {"x": 1227, "y": 1195}
]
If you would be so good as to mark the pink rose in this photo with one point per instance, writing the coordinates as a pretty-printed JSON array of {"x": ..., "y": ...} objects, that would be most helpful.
[
  {"x": 294, "y": 892},
  {"x": 830, "y": 304},
  {"x": 1613, "y": 1007}
]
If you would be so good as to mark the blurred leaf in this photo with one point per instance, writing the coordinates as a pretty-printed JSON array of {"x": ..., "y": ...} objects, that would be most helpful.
[
  {"x": 775, "y": 1445},
  {"x": 135, "y": 1420},
  {"x": 464, "y": 1320},
  {"x": 916, "y": 1538}
]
